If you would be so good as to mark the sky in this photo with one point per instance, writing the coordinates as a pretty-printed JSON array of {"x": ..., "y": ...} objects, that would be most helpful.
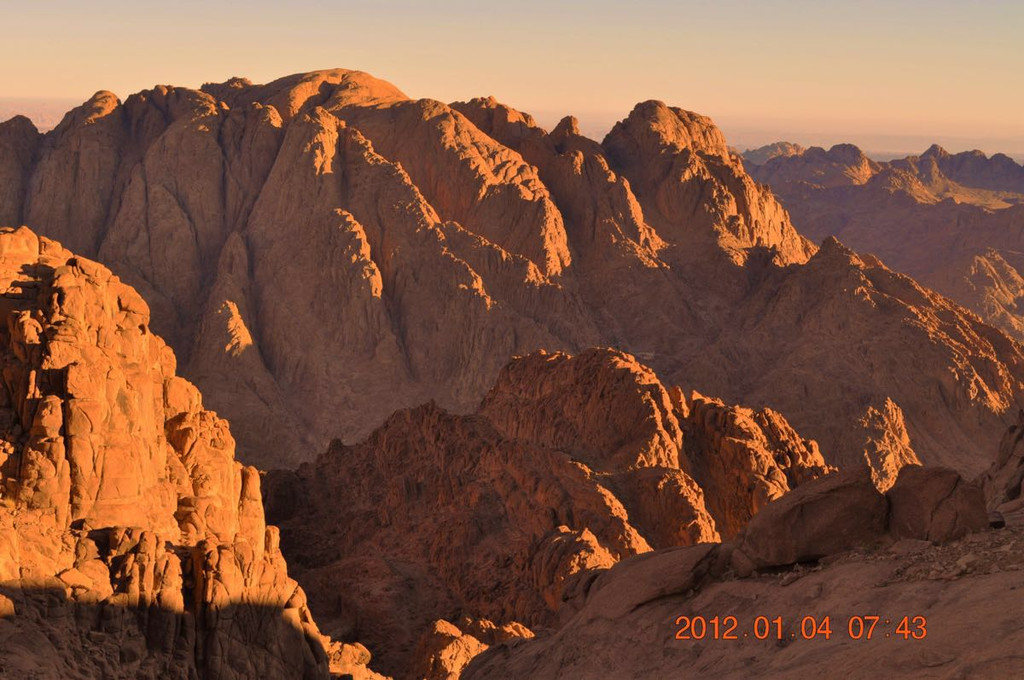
[{"x": 891, "y": 76}]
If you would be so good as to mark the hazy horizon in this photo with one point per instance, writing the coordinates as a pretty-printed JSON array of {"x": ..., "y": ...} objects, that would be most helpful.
[{"x": 890, "y": 77}]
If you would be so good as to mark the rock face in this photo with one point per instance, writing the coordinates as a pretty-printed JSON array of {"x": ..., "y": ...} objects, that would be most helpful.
[
  {"x": 837, "y": 513},
  {"x": 18, "y": 142},
  {"x": 569, "y": 465},
  {"x": 1003, "y": 482},
  {"x": 887, "y": 448},
  {"x": 321, "y": 251},
  {"x": 133, "y": 544},
  {"x": 445, "y": 649},
  {"x": 952, "y": 221},
  {"x": 935, "y": 504},
  {"x": 629, "y": 622}
]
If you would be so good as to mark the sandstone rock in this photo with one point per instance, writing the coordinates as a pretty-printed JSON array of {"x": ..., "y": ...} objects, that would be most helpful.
[
  {"x": 635, "y": 638},
  {"x": 841, "y": 165},
  {"x": 823, "y": 517},
  {"x": 19, "y": 140},
  {"x": 935, "y": 504},
  {"x": 132, "y": 537},
  {"x": 648, "y": 577},
  {"x": 763, "y": 154},
  {"x": 599, "y": 403},
  {"x": 679, "y": 162},
  {"x": 745, "y": 459},
  {"x": 974, "y": 169},
  {"x": 628, "y": 612},
  {"x": 456, "y": 517},
  {"x": 887, "y": 448},
  {"x": 444, "y": 651}
]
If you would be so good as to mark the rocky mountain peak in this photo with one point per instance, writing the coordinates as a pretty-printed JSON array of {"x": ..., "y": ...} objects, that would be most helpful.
[
  {"x": 763, "y": 154},
  {"x": 654, "y": 127},
  {"x": 935, "y": 151}
]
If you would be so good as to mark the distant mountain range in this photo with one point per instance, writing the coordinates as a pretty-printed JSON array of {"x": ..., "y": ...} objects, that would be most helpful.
[{"x": 952, "y": 221}]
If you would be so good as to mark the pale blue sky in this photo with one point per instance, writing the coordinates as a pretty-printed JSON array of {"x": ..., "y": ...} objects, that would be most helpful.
[{"x": 895, "y": 72}]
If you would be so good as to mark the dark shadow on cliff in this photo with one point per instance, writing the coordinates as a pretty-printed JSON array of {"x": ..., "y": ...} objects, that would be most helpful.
[{"x": 44, "y": 634}]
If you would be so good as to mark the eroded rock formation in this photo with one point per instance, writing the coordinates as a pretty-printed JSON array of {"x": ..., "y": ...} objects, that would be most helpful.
[
  {"x": 887, "y": 447},
  {"x": 569, "y": 465},
  {"x": 132, "y": 543}
]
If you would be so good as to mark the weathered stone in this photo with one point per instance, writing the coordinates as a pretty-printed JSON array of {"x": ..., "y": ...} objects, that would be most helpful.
[
  {"x": 935, "y": 504},
  {"x": 126, "y": 495},
  {"x": 826, "y": 516}
]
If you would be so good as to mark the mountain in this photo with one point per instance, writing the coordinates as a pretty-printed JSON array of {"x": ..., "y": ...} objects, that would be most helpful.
[
  {"x": 321, "y": 251},
  {"x": 570, "y": 464},
  {"x": 952, "y": 221},
  {"x": 967, "y": 177},
  {"x": 842, "y": 165},
  {"x": 763, "y": 154},
  {"x": 133, "y": 544}
]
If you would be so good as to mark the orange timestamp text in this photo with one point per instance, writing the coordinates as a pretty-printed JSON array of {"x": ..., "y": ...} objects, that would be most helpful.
[{"x": 858, "y": 627}]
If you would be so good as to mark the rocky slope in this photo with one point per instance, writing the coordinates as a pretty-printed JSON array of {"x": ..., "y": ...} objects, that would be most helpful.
[
  {"x": 322, "y": 250},
  {"x": 499, "y": 518},
  {"x": 132, "y": 544},
  {"x": 833, "y": 548},
  {"x": 952, "y": 221}
]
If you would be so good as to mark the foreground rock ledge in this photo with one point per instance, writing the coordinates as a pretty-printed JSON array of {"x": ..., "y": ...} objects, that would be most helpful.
[{"x": 626, "y": 627}]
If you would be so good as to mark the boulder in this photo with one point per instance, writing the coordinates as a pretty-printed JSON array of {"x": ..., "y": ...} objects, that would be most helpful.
[
  {"x": 826, "y": 516},
  {"x": 935, "y": 504}
]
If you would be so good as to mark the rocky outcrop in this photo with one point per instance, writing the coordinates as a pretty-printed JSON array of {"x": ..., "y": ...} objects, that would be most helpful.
[
  {"x": 744, "y": 459},
  {"x": 445, "y": 649},
  {"x": 602, "y": 407},
  {"x": 570, "y": 464},
  {"x": 974, "y": 169},
  {"x": 841, "y": 165},
  {"x": 695, "y": 189},
  {"x": 887, "y": 448},
  {"x": 322, "y": 250},
  {"x": 134, "y": 545},
  {"x": 969, "y": 175},
  {"x": 828, "y": 551}
]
